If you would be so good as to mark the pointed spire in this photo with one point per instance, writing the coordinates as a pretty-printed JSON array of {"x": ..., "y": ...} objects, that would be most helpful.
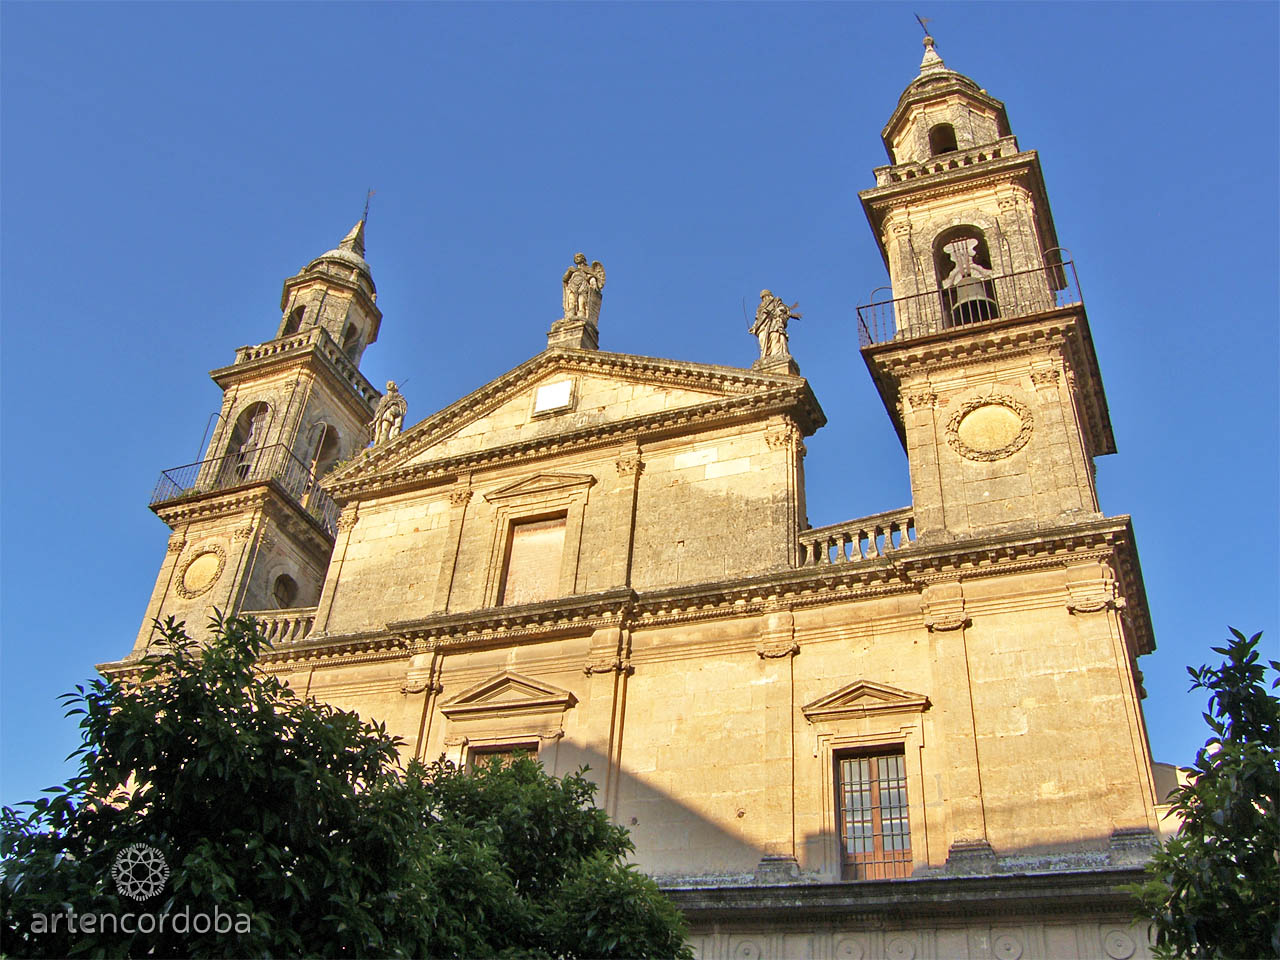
[
  {"x": 931, "y": 63},
  {"x": 354, "y": 240}
]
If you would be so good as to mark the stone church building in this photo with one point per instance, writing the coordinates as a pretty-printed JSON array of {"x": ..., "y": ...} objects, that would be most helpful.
[{"x": 912, "y": 734}]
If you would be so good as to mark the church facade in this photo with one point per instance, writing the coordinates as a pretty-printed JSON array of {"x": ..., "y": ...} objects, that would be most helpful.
[{"x": 912, "y": 734}]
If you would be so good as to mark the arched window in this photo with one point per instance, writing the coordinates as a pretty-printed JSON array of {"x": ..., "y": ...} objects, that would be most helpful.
[
  {"x": 249, "y": 434},
  {"x": 942, "y": 139},
  {"x": 294, "y": 323},
  {"x": 284, "y": 591},
  {"x": 351, "y": 341},
  {"x": 963, "y": 263}
]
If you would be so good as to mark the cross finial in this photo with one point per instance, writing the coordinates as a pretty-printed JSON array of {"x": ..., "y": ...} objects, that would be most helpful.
[
  {"x": 924, "y": 21},
  {"x": 367, "y": 197}
]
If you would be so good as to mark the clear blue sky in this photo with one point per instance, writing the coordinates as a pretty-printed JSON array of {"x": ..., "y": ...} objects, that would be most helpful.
[{"x": 166, "y": 166}]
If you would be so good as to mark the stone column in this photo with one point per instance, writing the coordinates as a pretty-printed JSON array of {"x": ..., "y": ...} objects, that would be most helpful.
[
  {"x": 945, "y": 618},
  {"x": 346, "y": 523},
  {"x": 927, "y": 496},
  {"x": 777, "y": 648},
  {"x": 459, "y": 497},
  {"x": 608, "y": 667}
]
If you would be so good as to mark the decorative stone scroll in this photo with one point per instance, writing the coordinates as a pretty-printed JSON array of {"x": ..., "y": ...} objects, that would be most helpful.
[{"x": 990, "y": 428}]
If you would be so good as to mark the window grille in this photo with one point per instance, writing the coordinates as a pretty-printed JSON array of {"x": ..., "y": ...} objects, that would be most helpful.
[{"x": 875, "y": 835}]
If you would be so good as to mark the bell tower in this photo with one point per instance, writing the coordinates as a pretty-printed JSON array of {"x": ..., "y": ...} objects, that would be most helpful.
[
  {"x": 253, "y": 528},
  {"x": 982, "y": 355}
]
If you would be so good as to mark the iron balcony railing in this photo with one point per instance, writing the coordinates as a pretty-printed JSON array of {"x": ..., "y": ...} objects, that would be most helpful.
[
  {"x": 1010, "y": 295},
  {"x": 258, "y": 465}
]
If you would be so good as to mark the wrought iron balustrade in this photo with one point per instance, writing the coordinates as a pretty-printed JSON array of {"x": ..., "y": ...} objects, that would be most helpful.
[
  {"x": 274, "y": 463},
  {"x": 1010, "y": 295}
]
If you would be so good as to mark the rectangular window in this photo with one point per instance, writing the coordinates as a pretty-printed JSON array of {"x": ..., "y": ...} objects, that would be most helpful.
[
  {"x": 532, "y": 570},
  {"x": 871, "y": 802},
  {"x": 503, "y": 755}
]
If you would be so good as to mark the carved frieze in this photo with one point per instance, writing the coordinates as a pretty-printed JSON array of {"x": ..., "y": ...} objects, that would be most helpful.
[
  {"x": 1043, "y": 378},
  {"x": 460, "y": 496}
]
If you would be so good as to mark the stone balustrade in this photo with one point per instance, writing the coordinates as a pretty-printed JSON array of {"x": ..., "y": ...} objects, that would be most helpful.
[
  {"x": 944, "y": 162},
  {"x": 318, "y": 337},
  {"x": 281, "y": 626},
  {"x": 856, "y": 540}
]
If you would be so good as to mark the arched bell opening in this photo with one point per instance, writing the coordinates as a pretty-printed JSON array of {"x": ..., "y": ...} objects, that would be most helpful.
[
  {"x": 942, "y": 139},
  {"x": 247, "y": 437},
  {"x": 962, "y": 260},
  {"x": 351, "y": 341},
  {"x": 294, "y": 322}
]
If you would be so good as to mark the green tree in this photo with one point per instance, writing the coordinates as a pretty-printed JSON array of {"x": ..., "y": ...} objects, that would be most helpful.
[
  {"x": 294, "y": 822},
  {"x": 1214, "y": 889}
]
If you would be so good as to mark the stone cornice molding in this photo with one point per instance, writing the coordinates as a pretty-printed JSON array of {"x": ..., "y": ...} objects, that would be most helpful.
[
  {"x": 700, "y": 417},
  {"x": 902, "y": 573},
  {"x": 266, "y": 495},
  {"x": 359, "y": 397},
  {"x": 1063, "y": 330},
  {"x": 730, "y": 381}
]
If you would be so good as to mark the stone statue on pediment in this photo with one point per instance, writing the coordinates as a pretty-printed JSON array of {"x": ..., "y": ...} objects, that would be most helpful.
[
  {"x": 583, "y": 286},
  {"x": 771, "y": 324},
  {"x": 388, "y": 418}
]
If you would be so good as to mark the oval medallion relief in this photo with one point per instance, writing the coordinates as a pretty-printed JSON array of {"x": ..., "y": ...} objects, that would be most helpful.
[
  {"x": 201, "y": 571},
  {"x": 990, "y": 428}
]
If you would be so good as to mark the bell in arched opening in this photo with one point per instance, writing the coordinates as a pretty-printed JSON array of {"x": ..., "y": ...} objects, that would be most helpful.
[{"x": 964, "y": 272}]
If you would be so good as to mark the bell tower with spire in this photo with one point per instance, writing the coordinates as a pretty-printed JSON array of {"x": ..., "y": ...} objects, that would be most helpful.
[
  {"x": 983, "y": 355},
  {"x": 253, "y": 528}
]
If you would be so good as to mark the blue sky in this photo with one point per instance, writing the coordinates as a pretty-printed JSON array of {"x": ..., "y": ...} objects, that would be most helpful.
[{"x": 166, "y": 166}]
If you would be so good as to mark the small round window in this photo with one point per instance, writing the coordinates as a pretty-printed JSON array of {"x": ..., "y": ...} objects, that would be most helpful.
[{"x": 285, "y": 590}]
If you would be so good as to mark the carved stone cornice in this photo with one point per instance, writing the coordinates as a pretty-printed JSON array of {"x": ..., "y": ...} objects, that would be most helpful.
[
  {"x": 1108, "y": 540},
  {"x": 662, "y": 424},
  {"x": 729, "y": 381},
  {"x": 1063, "y": 331},
  {"x": 580, "y": 614}
]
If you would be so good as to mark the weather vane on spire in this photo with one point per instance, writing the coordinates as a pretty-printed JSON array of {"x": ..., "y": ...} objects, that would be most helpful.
[
  {"x": 923, "y": 21},
  {"x": 368, "y": 196}
]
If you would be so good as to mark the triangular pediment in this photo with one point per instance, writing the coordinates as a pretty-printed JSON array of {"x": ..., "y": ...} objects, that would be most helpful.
[
  {"x": 542, "y": 483},
  {"x": 507, "y": 694},
  {"x": 862, "y": 697},
  {"x": 563, "y": 393}
]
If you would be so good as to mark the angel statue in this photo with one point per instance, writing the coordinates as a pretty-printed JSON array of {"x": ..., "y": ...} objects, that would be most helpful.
[
  {"x": 582, "y": 288},
  {"x": 388, "y": 418},
  {"x": 771, "y": 324}
]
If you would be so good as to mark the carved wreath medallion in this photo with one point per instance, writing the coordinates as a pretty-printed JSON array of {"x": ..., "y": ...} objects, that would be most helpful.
[
  {"x": 201, "y": 571},
  {"x": 990, "y": 428}
]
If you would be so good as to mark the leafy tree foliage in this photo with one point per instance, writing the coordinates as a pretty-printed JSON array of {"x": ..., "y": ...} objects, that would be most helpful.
[
  {"x": 1214, "y": 889},
  {"x": 294, "y": 820}
]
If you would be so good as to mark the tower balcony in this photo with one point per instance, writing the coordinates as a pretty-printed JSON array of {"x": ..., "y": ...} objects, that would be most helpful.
[
  {"x": 975, "y": 302},
  {"x": 274, "y": 464}
]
